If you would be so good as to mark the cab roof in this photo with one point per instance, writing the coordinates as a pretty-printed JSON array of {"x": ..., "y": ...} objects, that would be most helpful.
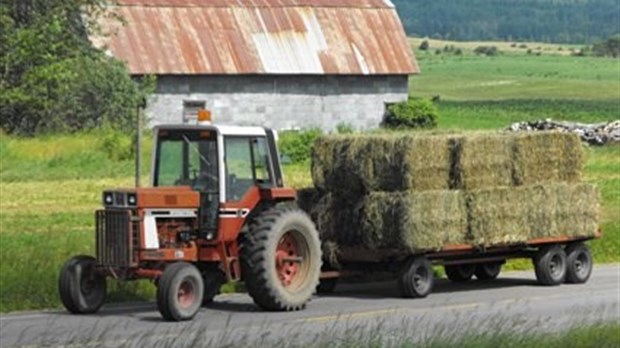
[{"x": 221, "y": 129}]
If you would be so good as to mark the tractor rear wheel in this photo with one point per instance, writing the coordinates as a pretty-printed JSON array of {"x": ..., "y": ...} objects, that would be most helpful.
[
  {"x": 281, "y": 259},
  {"x": 460, "y": 273},
  {"x": 82, "y": 290},
  {"x": 180, "y": 292}
]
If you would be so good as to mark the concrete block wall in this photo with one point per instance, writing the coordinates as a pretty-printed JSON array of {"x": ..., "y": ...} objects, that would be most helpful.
[{"x": 281, "y": 102}]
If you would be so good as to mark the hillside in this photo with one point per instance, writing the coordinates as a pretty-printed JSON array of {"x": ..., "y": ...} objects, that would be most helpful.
[{"x": 561, "y": 21}]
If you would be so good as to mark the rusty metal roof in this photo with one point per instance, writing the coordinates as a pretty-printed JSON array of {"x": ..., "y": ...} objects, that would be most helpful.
[{"x": 258, "y": 37}]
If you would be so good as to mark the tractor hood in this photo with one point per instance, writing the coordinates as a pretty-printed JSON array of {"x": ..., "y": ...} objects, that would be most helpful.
[{"x": 153, "y": 197}]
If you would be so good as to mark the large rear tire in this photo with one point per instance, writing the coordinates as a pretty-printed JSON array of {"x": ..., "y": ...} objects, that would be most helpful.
[
  {"x": 416, "y": 279},
  {"x": 578, "y": 263},
  {"x": 180, "y": 292},
  {"x": 281, "y": 259},
  {"x": 550, "y": 265},
  {"x": 82, "y": 290},
  {"x": 460, "y": 273}
]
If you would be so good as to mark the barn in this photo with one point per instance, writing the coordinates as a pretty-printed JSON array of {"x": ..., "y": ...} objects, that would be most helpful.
[{"x": 284, "y": 64}]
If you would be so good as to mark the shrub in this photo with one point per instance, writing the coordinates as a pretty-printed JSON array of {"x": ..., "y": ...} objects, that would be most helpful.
[
  {"x": 486, "y": 50},
  {"x": 345, "y": 128},
  {"x": 297, "y": 144},
  {"x": 117, "y": 145},
  {"x": 424, "y": 46},
  {"x": 414, "y": 113}
]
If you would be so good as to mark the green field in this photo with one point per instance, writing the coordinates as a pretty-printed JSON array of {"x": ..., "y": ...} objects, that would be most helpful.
[{"x": 50, "y": 186}]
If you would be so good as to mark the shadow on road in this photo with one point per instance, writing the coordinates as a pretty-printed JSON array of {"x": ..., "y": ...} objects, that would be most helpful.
[{"x": 390, "y": 289}]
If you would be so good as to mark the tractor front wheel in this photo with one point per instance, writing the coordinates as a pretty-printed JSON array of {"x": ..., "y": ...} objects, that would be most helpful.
[
  {"x": 281, "y": 259},
  {"x": 82, "y": 290},
  {"x": 180, "y": 292}
]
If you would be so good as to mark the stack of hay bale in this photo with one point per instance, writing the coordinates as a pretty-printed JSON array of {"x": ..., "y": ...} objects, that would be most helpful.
[{"x": 422, "y": 192}]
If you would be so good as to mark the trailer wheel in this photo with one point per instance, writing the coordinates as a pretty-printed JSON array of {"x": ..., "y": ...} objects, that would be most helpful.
[
  {"x": 327, "y": 285},
  {"x": 550, "y": 265},
  {"x": 578, "y": 263},
  {"x": 180, "y": 292},
  {"x": 281, "y": 259},
  {"x": 488, "y": 270},
  {"x": 460, "y": 273},
  {"x": 82, "y": 290},
  {"x": 416, "y": 279}
]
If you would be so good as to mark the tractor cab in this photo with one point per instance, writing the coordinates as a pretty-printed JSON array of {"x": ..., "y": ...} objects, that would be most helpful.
[{"x": 222, "y": 164}]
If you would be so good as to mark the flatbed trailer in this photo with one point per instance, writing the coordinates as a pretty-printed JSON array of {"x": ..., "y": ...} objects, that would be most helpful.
[{"x": 556, "y": 260}]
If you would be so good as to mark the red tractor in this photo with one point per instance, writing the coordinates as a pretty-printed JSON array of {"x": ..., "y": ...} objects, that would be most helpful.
[{"x": 217, "y": 211}]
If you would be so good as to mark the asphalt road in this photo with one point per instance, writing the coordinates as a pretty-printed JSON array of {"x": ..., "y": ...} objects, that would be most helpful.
[{"x": 363, "y": 312}]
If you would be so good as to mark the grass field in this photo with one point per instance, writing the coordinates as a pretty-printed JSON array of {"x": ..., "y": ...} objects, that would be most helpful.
[{"x": 50, "y": 186}]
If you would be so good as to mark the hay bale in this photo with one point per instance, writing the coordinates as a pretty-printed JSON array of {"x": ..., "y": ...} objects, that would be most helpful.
[
  {"x": 482, "y": 160},
  {"x": 503, "y": 160},
  {"x": 577, "y": 210},
  {"x": 413, "y": 221},
  {"x": 403, "y": 220},
  {"x": 353, "y": 165},
  {"x": 502, "y": 216},
  {"x": 546, "y": 157}
]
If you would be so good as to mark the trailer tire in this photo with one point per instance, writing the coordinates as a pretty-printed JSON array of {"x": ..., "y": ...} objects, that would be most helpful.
[
  {"x": 578, "y": 263},
  {"x": 460, "y": 273},
  {"x": 488, "y": 270},
  {"x": 327, "y": 285},
  {"x": 550, "y": 265},
  {"x": 180, "y": 292},
  {"x": 82, "y": 290},
  {"x": 416, "y": 279},
  {"x": 281, "y": 259}
]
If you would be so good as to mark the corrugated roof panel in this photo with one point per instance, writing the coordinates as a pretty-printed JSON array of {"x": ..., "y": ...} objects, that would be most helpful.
[
  {"x": 259, "y": 3},
  {"x": 259, "y": 37}
]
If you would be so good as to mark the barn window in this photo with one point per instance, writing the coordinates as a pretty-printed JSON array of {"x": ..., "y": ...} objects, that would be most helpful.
[{"x": 190, "y": 110}]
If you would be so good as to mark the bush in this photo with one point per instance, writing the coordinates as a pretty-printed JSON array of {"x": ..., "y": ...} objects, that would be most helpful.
[
  {"x": 414, "y": 113},
  {"x": 297, "y": 145},
  {"x": 486, "y": 50},
  {"x": 424, "y": 46},
  {"x": 116, "y": 145}
]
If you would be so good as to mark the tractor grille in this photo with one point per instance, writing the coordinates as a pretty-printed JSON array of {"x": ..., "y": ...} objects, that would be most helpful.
[{"x": 114, "y": 237}]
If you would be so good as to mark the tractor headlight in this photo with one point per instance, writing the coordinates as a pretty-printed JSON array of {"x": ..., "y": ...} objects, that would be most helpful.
[
  {"x": 132, "y": 199},
  {"x": 108, "y": 198}
]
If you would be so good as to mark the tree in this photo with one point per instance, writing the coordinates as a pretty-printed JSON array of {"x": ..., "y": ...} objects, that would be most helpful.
[{"x": 51, "y": 78}]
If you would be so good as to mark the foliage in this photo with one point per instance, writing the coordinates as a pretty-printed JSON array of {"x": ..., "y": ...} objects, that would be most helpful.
[
  {"x": 486, "y": 50},
  {"x": 51, "y": 77},
  {"x": 116, "y": 145},
  {"x": 561, "y": 21},
  {"x": 608, "y": 48},
  {"x": 297, "y": 144},
  {"x": 414, "y": 113},
  {"x": 424, "y": 46}
]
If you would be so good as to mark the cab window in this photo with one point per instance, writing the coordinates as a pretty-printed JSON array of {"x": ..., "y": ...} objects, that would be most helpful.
[{"x": 247, "y": 165}]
